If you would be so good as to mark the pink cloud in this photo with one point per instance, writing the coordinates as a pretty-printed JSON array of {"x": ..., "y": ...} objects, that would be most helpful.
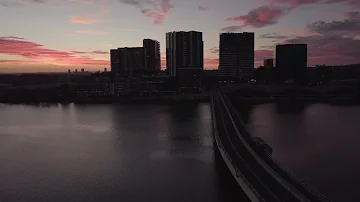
[
  {"x": 276, "y": 9},
  {"x": 92, "y": 18},
  {"x": 331, "y": 43},
  {"x": 156, "y": 17},
  {"x": 292, "y": 4},
  {"x": 211, "y": 63},
  {"x": 99, "y": 52},
  {"x": 259, "y": 17},
  {"x": 90, "y": 52},
  {"x": 159, "y": 14},
  {"x": 330, "y": 49},
  {"x": 37, "y": 53},
  {"x": 83, "y": 20},
  {"x": 11, "y": 61},
  {"x": 232, "y": 28},
  {"x": 155, "y": 10}
]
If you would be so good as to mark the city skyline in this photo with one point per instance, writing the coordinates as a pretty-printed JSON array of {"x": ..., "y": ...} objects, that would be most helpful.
[{"x": 53, "y": 35}]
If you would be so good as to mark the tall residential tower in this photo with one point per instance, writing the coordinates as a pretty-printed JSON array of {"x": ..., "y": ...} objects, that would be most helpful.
[
  {"x": 236, "y": 55},
  {"x": 291, "y": 63},
  {"x": 126, "y": 62},
  {"x": 152, "y": 64},
  {"x": 185, "y": 60}
]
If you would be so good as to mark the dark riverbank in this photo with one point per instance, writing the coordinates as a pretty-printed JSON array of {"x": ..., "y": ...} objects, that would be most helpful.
[
  {"x": 252, "y": 93},
  {"x": 144, "y": 100},
  {"x": 205, "y": 98},
  {"x": 314, "y": 100},
  {"x": 170, "y": 101}
]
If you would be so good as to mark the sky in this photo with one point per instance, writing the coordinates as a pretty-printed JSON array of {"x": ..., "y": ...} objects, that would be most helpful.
[{"x": 57, "y": 35}]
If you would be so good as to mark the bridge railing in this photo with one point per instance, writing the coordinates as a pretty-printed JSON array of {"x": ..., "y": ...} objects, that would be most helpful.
[
  {"x": 260, "y": 176},
  {"x": 248, "y": 139},
  {"x": 237, "y": 171}
]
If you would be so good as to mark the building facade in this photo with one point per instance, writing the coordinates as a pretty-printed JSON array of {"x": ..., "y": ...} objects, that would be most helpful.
[
  {"x": 269, "y": 63},
  {"x": 126, "y": 63},
  {"x": 291, "y": 63},
  {"x": 236, "y": 55},
  {"x": 152, "y": 62},
  {"x": 185, "y": 60}
]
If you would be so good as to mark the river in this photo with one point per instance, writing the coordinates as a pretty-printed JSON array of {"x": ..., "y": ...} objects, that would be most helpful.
[
  {"x": 108, "y": 153},
  {"x": 164, "y": 153}
]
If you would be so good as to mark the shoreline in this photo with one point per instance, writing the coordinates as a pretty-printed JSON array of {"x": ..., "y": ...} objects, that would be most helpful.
[
  {"x": 185, "y": 99},
  {"x": 122, "y": 100}
]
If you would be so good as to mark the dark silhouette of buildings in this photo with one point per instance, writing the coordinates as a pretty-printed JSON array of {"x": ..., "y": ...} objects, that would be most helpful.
[
  {"x": 152, "y": 57},
  {"x": 236, "y": 56},
  {"x": 265, "y": 74},
  {"x": 269, "y": 63},
  {"x": 291, "y": 63},
  {"x": 185, "y": 60},
  {"x": 126, "y": 63}
]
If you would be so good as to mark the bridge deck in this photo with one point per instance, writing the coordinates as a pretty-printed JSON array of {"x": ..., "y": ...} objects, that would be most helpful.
[
  {"x": 268, "y": 186},
  {"x": 260, "y": 179},
  {"x": 305, "y": 189}
]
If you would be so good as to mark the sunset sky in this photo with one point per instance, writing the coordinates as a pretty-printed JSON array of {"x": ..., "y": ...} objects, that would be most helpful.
[{"x": 57, "y": 35}]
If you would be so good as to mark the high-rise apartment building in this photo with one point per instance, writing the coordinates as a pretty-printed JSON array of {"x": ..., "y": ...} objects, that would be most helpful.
[
  {"x": 291, "y": 62},
  {"x": 236, "y": 55},
  {"x": 126, "y": 62},
  {"x": 185, "y": 60},
  {"x": 152, "y": 63}
]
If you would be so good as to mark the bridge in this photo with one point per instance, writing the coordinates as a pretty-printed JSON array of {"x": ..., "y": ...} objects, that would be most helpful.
[{"x": 249, "y": 159}]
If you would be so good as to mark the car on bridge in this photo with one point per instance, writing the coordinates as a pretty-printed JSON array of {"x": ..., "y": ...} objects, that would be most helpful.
[{"x": 261, "y": 146}]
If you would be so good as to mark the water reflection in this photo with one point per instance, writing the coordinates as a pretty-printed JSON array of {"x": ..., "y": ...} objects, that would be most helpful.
[
  {"x": 107, "y": 153},
  {"x": 244, "y": 110},
  {"x": 290, "y": 107},
  {"x": 318, "y": 142},
  {"x": 111, "y": 153}
]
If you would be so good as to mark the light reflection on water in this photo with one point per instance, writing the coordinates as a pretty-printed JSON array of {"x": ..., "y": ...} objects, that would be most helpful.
[
  {"x": 112, "y": 152},
  {"x": 107, "y": 153}
]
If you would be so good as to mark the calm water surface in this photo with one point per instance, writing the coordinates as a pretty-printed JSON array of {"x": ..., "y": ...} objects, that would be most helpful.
[
  {"x": 107, "y": 153},
  {"x": 320, "y": 143},
  {"x": 165, "y": 153}
]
